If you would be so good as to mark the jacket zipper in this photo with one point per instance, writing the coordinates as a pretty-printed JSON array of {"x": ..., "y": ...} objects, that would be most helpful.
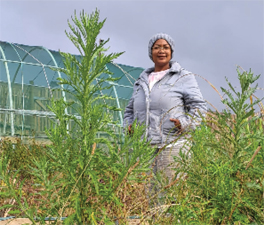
[{"x": 147, "y": 101}]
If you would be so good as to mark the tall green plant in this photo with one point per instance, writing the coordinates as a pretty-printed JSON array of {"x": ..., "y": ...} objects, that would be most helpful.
[
  {"x": 89, "y": 174},
  {"x": 225, "y": 174},
  {"x": 83, "y": 173}
]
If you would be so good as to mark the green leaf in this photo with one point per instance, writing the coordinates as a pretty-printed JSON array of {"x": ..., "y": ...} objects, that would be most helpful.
[
  {"x": 6, "y": 206},
  {"x": 95, "y": 180},
  {"x": 12, "y": 212}
]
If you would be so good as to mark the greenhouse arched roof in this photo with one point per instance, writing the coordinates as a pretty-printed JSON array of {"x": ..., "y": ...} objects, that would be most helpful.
[{"x": 27, "y": 82}]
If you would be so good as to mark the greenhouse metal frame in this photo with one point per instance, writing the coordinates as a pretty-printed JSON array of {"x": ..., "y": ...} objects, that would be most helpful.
[{"x": 28, "y": 81}]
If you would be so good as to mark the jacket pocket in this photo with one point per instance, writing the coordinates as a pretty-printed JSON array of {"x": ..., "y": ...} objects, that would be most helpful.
[{"x": 168, "y": 127}]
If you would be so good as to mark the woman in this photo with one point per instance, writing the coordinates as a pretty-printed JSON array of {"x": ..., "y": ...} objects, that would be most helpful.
[{"x": 167, "y": 99}]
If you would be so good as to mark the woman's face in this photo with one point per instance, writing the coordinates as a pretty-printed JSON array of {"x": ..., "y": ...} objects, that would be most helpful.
[{"x": 161, "y": 53}]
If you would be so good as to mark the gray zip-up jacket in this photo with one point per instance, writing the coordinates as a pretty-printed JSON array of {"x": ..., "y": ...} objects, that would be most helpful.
[{"x": 176, "y": 95}]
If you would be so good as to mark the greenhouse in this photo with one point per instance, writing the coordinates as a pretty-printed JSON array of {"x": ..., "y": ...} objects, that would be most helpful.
[{"x": 28, "y": 81}]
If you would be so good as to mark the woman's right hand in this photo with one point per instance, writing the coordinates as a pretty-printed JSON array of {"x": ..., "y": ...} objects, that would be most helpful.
[{"x": 176, "y": 122}]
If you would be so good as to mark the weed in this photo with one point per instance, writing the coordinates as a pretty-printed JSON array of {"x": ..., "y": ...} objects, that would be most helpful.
[{"x": 224, "y": 182}]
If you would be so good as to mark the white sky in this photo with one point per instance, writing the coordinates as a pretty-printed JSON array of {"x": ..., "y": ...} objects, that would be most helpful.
[{"x": 211, "y": 37}]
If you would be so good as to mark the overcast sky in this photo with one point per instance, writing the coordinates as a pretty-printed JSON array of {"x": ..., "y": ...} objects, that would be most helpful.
[{"x": 211, "y": 37}]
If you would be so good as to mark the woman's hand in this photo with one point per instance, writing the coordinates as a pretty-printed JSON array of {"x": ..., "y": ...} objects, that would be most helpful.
[
  {"x": 130, "y": 131},
  {"x": 177, "y": 123}
]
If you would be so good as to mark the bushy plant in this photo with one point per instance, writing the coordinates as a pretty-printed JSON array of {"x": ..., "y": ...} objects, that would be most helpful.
[
  {"x": 83, "y": 176},
  {"x": 16, "y": 189},
  {"x": 224, "y": 176}
]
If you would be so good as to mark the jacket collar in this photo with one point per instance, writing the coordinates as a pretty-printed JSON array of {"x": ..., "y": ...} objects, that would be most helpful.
[{"x": 175, "y": 67}]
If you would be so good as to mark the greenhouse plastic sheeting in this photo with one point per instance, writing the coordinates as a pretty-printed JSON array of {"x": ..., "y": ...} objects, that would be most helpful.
[{"x": 27, "y": 83}]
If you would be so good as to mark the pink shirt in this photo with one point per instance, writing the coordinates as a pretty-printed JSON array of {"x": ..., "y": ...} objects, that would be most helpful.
[{"x": 156, "y": 76}]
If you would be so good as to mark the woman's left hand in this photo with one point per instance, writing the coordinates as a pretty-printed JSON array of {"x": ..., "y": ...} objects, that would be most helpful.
[{"x": 177, "y": 123}]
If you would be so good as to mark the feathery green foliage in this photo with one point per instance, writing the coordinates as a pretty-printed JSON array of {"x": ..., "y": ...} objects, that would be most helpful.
[
  {"x": 84, "y": 175},
  {"x": 225, "y": 182}
]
